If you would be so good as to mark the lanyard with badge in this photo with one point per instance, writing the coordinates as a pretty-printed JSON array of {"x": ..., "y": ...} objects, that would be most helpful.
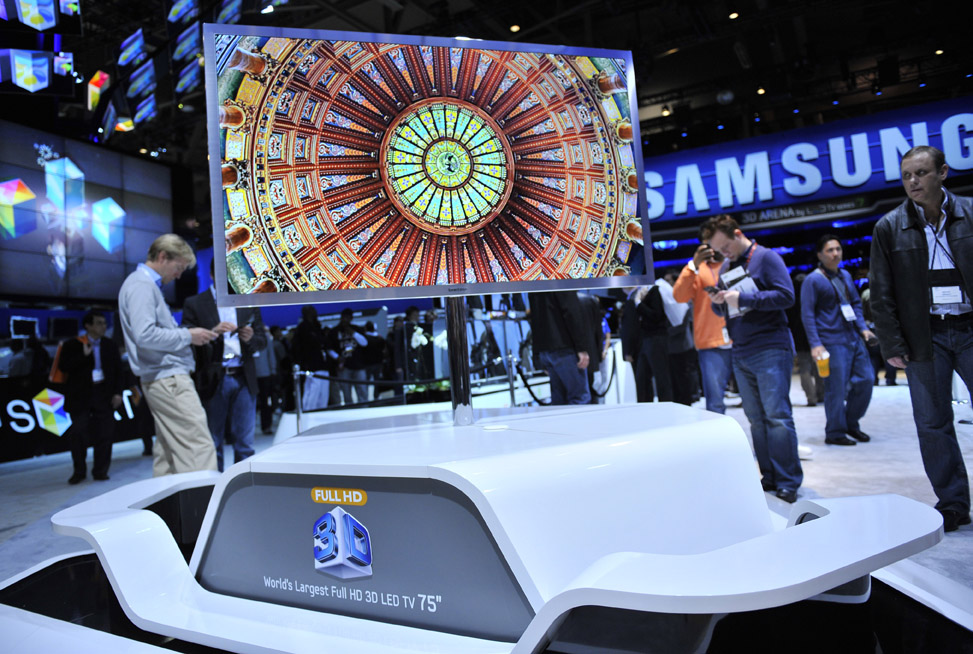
[
  {"x": 844, "y": 299},
  {"x": 738, "y": 279},
  {"x": 945, "y": 284}
]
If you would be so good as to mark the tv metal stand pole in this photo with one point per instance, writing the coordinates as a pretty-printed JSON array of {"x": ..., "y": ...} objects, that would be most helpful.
[{"x": 459, "y": 361}]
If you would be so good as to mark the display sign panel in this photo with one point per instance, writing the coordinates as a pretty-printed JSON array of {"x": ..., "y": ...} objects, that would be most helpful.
[
  {"x": 363, "y": 166},
  {"x": 846, "y": 157},
  {"x": 406, "y": 551}
]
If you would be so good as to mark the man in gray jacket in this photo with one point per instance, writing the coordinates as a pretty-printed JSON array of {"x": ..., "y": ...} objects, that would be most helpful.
[{"x": 160, "y": 355}]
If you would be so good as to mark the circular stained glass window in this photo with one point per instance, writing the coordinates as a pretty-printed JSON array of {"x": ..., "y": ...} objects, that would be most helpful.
[{"x": 447, "y": 166}]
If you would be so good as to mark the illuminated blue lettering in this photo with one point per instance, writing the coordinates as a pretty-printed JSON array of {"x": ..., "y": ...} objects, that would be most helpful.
[
  {"x": 839, "y": 160},
  {"x": 795, "y": 160},
  {"x": 689, "y": 180},
  {"x": 958, "y": 151},
  {"x": 894, "y": 145},
  {"x": 326, "y": 542},
  {"x": 754, "y": 178},
  {"x": 657, "y": 203},
  {"x": 357, "y": 541}
]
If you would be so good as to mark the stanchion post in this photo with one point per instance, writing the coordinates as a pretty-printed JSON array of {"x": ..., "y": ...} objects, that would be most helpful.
[
  {"x": 511, "y": 364},
  {"x": 297, "y": 395},
  {"x": 459, "y": 361}
]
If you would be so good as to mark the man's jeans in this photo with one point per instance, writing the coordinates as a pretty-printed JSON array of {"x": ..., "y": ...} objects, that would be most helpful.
[
  {"x": 764, "y": 379},
  {"x": 848, "y": 389},
  {"x": 715, "y": 365},
  {"x": 930, "y": 385},
  {"x": 233, "y": 406},
  {"x": 569, "y": 383}
]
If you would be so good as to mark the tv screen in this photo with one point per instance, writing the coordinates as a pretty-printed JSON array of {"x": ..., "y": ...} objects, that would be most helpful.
[
  {"x": 75, "y": 218},
  {"x": 62, "y": 327},
  {"x": 361, "y": 166},
  {"x": 21, "y": 327}
]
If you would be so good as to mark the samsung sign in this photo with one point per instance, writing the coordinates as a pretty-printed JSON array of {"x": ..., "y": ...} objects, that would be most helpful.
[{"x": 814, "y": 163}]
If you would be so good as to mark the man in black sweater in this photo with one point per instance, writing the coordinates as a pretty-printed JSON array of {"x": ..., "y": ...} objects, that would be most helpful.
[{"x": 560, "y": 339}]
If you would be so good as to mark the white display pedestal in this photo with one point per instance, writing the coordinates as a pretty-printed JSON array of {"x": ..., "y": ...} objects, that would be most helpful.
[{"x": 654, "y": 508}]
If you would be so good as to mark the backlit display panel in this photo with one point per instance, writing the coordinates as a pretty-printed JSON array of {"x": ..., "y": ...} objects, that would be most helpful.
[{"x": 367, "y": 166}]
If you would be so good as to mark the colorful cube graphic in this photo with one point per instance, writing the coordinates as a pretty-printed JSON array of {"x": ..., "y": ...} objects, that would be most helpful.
[
  {"x": 31, "y": 69},
  {"x": 16, "y": 209},
  {"x": 65, "y": 184},
  {"x": 39, "y": 14},
  {"x": 64, "y": 63},
  {"x": 70, "y": 7},
  {"x": 98, "y": 83},
  {"x": 49, "y": 409},
  {"x": 107, "y": 223}
]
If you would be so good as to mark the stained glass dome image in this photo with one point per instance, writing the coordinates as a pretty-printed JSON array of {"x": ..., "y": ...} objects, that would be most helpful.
[{"x": 353, "y": 165}]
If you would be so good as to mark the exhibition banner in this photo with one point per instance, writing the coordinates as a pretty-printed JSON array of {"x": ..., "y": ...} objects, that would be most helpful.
[
  {"x": 33, "y": 420},
  {"x": 811, "y": 164}
]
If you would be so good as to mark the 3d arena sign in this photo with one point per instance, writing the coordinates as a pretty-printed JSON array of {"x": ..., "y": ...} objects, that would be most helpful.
[{"x": 814, "y": 163}]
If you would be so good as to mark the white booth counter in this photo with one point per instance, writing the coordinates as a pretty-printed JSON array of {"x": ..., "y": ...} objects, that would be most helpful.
[{"x": 410, "y": 534}]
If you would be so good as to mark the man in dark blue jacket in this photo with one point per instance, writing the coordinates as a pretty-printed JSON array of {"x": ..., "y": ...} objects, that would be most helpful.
[
  {"x": 832, "y": 315},
  {"x": 92, "y": 392},
  {"x": 755, "y": 289},
  {"x": 921, "y": 284}
]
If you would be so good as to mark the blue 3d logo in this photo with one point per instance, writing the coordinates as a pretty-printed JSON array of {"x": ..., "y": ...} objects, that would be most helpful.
[{"x": 341, "y": 546}]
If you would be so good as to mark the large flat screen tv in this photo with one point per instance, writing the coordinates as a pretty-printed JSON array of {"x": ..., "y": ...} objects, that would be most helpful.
[
  {"x": 75, "y": 218},
  {"x": 370, "y": 166}
]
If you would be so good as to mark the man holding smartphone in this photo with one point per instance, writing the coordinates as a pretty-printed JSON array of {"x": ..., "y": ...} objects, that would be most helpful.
[
  {"x": 226, "y": 375},
  {"x": 699, "y": 278},
  {"x": 758, "y": 289}
]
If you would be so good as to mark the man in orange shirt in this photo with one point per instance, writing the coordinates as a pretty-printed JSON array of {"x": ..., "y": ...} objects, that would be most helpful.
[{"x": 709, "y": 330}]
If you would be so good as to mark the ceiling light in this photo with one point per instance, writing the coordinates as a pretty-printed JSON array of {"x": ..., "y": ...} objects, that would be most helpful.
[
  {"x": 922, "y": 83},
  {"x": 670, "y": 51},
  {"x": 665, "y": 110},
  {"x": 876, "y": 89},
  {"x": 939, "y": 51},
  {"x": 835, "y": 101},
  {"x": 734, "y": 16},
  {"x": 756, "y": 116},
  {"x": 797, "y": 111},
  {"x": 761, "y": 90},
  {"x": 143, "y": 151},
  {"x": 685, "y": 134},
  {"x": 515, "y": 28},
  {"x": 719, "y": 125},
  {"x": 269, "y": 9}
]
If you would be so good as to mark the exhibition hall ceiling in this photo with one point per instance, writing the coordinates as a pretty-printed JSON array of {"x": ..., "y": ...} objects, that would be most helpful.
[{"x": 706, "y": 72}]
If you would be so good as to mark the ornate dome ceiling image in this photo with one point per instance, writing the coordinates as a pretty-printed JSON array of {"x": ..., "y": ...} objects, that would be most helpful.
[{"x": 357, "y": 165}]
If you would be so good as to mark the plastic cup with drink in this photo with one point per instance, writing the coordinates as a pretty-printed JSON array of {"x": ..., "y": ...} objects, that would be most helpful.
[{"x": 824, "y": 365}]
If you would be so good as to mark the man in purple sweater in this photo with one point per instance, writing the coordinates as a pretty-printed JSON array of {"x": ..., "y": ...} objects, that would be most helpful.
[
  {"x": 755, "y": 289},
  {"x": 832, "y": 315}
]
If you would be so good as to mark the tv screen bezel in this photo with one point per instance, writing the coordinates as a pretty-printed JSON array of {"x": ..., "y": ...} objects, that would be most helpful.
[
  {"x": 224, "y": 294},
  {"x": 26, "y": 319}
]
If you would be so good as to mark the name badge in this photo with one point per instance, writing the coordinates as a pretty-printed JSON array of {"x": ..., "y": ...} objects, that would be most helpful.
[
  {"x": 947, "y": 295},
  {"x": 726, "y": 336},
  {"x": 733, "y": 274},
  {"x": 848, "y": 312},
  {"x": 97, "y": 375}
]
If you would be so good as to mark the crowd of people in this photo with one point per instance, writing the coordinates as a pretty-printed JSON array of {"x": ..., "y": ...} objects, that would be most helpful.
[
  {"x": 732, "y": 315},
  {"x": 752, "y": 322}
]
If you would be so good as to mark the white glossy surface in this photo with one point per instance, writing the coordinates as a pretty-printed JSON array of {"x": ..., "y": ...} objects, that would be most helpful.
[{"x": 645, "y": 470}]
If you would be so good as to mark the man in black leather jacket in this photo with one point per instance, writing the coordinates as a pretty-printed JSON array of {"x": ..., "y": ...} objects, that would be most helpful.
[{"x": 921, "y": 287}]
